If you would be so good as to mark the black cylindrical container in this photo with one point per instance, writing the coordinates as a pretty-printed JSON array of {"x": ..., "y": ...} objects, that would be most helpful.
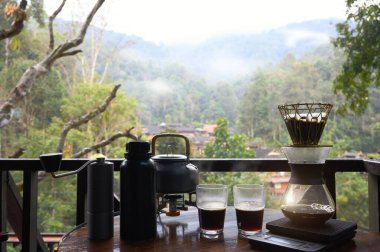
[
  {"x": 138, "y": 194},
  {"x": 100, "y": 200}
]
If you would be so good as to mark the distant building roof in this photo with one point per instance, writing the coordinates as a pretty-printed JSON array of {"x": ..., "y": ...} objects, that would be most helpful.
[
  {"x": 209, "y": 128},
  {"x": 157, "y": 129},
  {"x": 279, "y": 179},
  {"x": 186, "y": 130},
  {"x": 199, "y": 140},
  {"x": 348, "y": 154},
  {"x": 274, "y": 154},
  {"x": 262, "y": 152},
  {"x": 152, "y": 130}
]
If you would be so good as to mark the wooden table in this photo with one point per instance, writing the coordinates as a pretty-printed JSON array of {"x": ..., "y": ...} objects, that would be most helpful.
[{"x": 182, "y": 234}]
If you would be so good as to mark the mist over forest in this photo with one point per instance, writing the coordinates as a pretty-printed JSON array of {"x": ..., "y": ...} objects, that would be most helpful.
[
  {"x": 230, "y": 57},
  {"x": 240, "y": 77}
]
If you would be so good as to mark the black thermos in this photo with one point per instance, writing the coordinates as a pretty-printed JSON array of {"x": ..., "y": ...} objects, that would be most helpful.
[
  {"x": 138, "y": 211},
  {"x": 100, "y": 200}
]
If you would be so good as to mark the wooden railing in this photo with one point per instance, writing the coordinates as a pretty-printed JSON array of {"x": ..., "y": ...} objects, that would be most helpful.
[{"x": 29, "y": 236}]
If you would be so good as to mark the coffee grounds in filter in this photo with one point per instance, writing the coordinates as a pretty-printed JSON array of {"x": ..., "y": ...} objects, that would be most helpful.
[{"x": 305, "y": 121}]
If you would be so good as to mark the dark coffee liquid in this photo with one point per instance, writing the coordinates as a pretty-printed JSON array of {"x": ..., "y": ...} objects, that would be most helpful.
[
  {"x": 249, "y": 220},
  {"x": 305, "y": 214},
  {"x": 211, "y": 219},
  {"x": 305, "y": 131}
]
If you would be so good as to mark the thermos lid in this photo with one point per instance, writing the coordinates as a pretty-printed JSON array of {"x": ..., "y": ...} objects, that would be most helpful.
[{"x": 137, "y": 147}]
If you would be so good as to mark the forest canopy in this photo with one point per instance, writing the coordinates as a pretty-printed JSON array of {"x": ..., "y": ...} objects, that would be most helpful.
[{"x": 95, "y": 93}]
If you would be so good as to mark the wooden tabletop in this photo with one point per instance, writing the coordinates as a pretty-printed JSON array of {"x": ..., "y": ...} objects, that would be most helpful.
[{"x": 182, "y": 234}]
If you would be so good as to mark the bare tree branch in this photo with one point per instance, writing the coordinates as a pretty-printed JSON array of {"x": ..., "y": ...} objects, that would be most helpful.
[
  {"x": 116, "y": 49},
  {"x": 51, "y": 20},
  {"x": 74, "y": 123},
  {"x": 18, "y": 153},
  {"x": 25, "y": 84},
  {"x": 125, "y": 133},
  {"x": 6, "y": 53},
  {"x": 76, "y": 41},
  {"x": 18, "y": 22},
  {"x": 71, "y": 53}
]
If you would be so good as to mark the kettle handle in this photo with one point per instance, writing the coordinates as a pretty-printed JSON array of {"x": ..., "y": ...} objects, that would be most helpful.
[{"x": 187, "y": 142}]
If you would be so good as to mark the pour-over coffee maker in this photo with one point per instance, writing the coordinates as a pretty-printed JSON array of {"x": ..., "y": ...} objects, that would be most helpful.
[
  {"x": 307, "y": 199},
  {"x": 307, "y": 204}
]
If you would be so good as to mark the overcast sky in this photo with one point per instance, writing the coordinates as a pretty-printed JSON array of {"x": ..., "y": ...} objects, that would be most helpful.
[{"x": 191, "y": 21}]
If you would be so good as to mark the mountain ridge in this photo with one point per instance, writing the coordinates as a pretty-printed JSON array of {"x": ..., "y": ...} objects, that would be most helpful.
[{"x": 231, "y": 56}]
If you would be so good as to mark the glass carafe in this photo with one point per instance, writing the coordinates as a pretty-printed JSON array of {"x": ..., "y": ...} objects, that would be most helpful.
[{"x": 307, "y": 199}]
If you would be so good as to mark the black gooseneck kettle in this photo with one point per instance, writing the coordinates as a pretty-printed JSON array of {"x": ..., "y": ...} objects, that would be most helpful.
[{"x": 174, "y": 172}]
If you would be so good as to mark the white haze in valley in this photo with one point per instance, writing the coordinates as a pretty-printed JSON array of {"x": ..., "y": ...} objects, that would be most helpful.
[
  {"x": 294, "y": 36},
  {"x": 193, "y": 21},
  {"x": 159, "y": 86}
]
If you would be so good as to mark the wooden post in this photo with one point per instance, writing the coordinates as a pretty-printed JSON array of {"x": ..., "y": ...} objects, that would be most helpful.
[
  {"x": 373, "y": 169},
  {"x": 374, "y": 202},
  {"x": 29, "y": 213},
  {"x": 3, "y": 206}
]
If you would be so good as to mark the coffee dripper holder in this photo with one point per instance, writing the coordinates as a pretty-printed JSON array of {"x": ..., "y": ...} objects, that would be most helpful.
[
  {"x": 305, "y": 122},
  {"x": 307, "y": 203}
]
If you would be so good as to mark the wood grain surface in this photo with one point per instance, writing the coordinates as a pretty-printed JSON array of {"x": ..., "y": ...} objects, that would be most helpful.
[{"x": 182, "y": 234}]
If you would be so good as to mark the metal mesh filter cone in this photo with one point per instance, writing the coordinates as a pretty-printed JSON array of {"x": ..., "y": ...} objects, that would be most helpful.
[{"x": 305, "y": 121}]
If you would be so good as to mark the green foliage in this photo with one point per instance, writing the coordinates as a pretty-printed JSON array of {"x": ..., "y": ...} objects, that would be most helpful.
[
  {"x": 308, "y": 79},
  {"x": 120, "y": 115},
  {"x": 226, "y": 146},
  {"x": 39, "y": 141},
  {"x": 14, "y": 43},
  {"x": 292, "y": 81},
  {"x": 38, "y": 108},
  {"x": 376, "y": 134},
  {"x": 170, "y": 145},
  {"x": 359, "y": 38},
  {"x": 57, "y": 198},
  {"x": 373, "y": 156},
  {"x": 10, "y": 75},
  {"x": 46, "y": 98},
  {"x": 177, "y": 95},
  {"x": 37, "y": 11},
  {"x": 54, "y": 100},
  {"x": 257, "y": 108},
  {"x": 352, "y": 198},
  {"x": 171, "y": 89}
]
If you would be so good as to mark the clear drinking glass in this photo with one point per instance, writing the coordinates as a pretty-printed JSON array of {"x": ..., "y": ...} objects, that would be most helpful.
[
  {"x": 249, "y": 203},
  {"x": 212, "y": 204}
]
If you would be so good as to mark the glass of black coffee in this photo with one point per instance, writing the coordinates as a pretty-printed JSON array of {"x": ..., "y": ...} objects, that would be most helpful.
[
  {"x": 249, "y": 203},
  {"x": 212, "y": 204}
]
